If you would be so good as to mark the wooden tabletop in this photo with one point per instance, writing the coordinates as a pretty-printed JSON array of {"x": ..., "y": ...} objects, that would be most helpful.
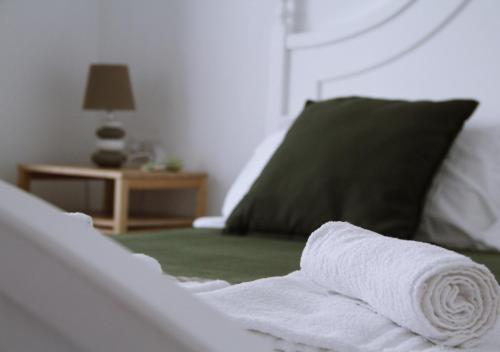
[
  {"x": 98, "y": 172},
  {"x": 118, "y": 183}
]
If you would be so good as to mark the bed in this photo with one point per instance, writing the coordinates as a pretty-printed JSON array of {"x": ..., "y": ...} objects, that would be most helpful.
[
  {"x": 411, "y": 50},
  {"x": 207, "y": 253},
  {"x": 210, "y": 254},
  {"x": 396, "y": 50}
]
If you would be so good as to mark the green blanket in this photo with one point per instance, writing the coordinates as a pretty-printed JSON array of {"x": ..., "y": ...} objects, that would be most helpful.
[{"x": 210, "y": 254}]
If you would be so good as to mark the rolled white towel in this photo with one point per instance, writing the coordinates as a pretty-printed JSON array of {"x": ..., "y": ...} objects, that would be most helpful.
[{"x": 437, "y": 293}]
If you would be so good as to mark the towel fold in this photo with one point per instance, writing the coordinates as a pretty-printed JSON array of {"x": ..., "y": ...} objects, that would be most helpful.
[
  {"x": 436, "y": 293},
  {"x": 204, "y": 286}
]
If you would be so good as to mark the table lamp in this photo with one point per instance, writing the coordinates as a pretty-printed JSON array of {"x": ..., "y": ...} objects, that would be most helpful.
[{"x": 109, "y": 89}]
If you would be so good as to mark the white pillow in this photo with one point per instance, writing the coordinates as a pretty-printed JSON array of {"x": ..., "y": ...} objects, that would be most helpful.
[
  {"x": 209, "y": 222},
  {"x": 252, "y": 169},
  {"x": 463, "y": 204}
]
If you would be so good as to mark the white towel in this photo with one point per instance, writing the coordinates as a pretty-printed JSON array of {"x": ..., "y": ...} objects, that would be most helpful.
[
  {"x": 437, "y": 293},
  {"x": 209, "y": 222},
  {"x": 300, "y": 312}
]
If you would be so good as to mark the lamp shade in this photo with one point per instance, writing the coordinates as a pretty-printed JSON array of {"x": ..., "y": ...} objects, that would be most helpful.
[{"x": 108, "y": 88}]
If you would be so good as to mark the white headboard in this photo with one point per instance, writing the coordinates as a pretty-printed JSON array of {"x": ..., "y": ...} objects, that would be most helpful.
[{"x": 411, "y": 49}]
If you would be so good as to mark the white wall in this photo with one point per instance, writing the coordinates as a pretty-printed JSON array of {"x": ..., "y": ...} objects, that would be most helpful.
[
  {"x": 217, "y": 100},
  {"x": 199, "y": 71},
  {"x": 46, "y": 47},
  {"x": 138, "y": 33}
]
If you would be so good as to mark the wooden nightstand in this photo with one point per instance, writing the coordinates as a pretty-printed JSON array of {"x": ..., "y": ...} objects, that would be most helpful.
[{"x": 118, "y": 184}]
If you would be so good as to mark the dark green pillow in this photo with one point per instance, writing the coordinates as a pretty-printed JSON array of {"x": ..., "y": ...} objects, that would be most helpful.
[{"x": 362, "y": 160}]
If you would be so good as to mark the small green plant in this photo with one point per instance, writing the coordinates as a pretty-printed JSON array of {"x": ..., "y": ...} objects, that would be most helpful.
[{"x": 174, "y": 164}]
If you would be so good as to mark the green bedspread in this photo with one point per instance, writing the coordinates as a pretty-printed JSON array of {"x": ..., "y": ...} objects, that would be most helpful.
[{"x": 209, "y": 254}]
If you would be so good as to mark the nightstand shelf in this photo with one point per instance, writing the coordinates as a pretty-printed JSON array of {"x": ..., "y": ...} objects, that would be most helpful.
[
  {"x": 105, "y": 223},
  {"x": 118, "y": 185}
]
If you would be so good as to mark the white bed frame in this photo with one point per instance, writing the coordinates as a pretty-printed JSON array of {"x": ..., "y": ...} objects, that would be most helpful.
[
  {"x": 411, "y": 49},
  {"x": 66, "y": 287}
]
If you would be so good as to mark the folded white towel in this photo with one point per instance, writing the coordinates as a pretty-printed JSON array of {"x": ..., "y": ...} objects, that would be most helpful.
[{"x": 437, "y": 293}]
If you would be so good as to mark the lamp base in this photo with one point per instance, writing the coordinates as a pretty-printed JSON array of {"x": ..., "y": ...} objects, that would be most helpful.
[
  {"x": 108, "y": 158},
  {"x": 110, "y": 144}
]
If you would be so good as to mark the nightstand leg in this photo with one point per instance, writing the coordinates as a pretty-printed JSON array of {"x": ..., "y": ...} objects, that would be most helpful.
[
  {"x": 23, "y": 179},
  {"x": 108, "y": 197},
  {"x": 120, "y": 209},
  {"x": 201, "y": 199}
]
